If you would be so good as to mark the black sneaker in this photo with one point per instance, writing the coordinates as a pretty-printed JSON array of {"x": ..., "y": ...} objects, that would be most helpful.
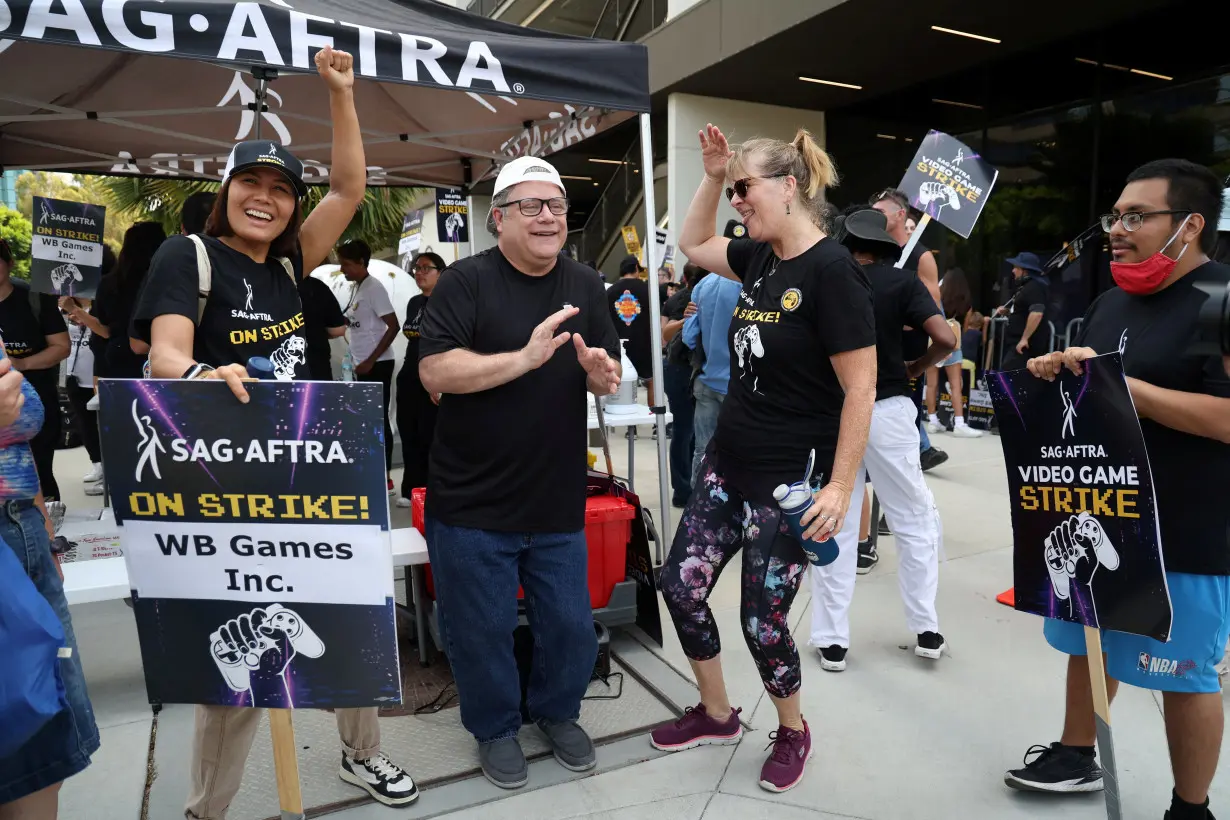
[
  {"x": 1057, "y": 768},
  {"x": 833, "y": 658},
  {"x": 932, "y": 457},
  {"x": 884, "y": 530},
  {"x": 381, "y": 778},
  {"x": 930, "y": 645},
  {"x": 867, "y": 557}
]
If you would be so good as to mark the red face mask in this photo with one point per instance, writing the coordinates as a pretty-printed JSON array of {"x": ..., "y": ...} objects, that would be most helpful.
[{"x": 1142, "y": 278}]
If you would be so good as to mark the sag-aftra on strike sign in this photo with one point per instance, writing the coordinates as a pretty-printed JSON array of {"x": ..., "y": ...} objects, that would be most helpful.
[{"x": 259, "y": 560}]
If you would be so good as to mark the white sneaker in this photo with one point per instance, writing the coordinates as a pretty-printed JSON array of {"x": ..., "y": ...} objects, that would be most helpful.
[
  {"x": 965, "y": 431},
  {"x": 381, "y": 778},
  {"x": 403, "y": 502},
  {"x": 95, "y": 474},
  {"x": 936, "y": 427},
  {"x": 94, "y": 489}
]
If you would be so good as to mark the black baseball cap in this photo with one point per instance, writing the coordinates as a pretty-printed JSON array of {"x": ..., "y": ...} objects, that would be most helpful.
[
  {"x": 630, "y": 264},
  {"x": 267, "y": 154}
]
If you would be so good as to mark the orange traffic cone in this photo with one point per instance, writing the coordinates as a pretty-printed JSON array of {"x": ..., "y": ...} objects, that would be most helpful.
[{"x": 1007, "y": 598}]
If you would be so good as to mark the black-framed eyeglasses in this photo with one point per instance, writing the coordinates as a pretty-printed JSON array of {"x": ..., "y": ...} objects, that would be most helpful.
[
  {"x": 532, "y": 206},
  {"x": 425, "y": 268},
  {"x": 1132, "y": 220},
  {"x": 740, "y": 186}
]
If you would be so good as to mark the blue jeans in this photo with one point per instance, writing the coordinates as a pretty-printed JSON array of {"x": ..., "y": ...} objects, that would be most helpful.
[
  {"x": 704, "y": 420},
  {"x": 924, "y": 440},
  {"x": 676, "y": 381},
  {"x": 62, "y": 748},
  {"x": 476, "y": 573}
]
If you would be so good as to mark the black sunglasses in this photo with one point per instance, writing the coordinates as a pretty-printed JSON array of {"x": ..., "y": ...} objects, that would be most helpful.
[{"x": 740, "y": 186}]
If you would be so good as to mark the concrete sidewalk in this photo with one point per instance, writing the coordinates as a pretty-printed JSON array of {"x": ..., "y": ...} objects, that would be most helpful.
[{"x": 897, "y": 737}]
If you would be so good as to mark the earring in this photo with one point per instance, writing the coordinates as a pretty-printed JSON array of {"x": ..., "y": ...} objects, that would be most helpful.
[{"x": 787, "y": 208}]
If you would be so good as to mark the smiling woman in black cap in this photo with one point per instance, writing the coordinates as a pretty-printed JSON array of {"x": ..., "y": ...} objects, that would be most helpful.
[{"x": 256, "y": 247}]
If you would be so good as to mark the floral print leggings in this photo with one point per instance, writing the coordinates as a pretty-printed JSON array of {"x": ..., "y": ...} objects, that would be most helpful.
[{"x": 716, "y": 524}]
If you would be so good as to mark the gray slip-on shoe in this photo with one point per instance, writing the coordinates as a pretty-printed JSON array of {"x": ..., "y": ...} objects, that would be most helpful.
[
  {"x": 504, "y": 763},
  {"x": 572, "y": 747}
]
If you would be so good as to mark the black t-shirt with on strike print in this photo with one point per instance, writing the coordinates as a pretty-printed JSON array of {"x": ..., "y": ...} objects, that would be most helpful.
[
  {"x": 253, "y": 309},
  {"x": 784, "y": 398}
]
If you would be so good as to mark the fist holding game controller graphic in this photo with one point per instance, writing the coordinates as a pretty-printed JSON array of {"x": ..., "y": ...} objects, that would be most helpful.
[
  {"x": 265, "y": 639},
  {"x": 1075, "y": 549}
]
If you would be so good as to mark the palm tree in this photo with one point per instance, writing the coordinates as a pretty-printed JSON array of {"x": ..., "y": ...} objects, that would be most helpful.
[{"x": 378, "y": 221}]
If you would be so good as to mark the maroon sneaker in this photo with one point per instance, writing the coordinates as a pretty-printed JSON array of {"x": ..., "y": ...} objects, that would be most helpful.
[
  {"x": 791, "y": 751},
  {"x": 696, "y": 728}
]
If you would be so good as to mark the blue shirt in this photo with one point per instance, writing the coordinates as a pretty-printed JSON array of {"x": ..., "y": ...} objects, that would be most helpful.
[
  {"x": 715, "y": 297},
  {"x": 18, "y": 478}
]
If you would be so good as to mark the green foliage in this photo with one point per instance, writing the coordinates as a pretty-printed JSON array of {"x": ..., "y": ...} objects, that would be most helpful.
[
  {"x": 378, "y": 221},
  {"x": 15, "y": 229}
]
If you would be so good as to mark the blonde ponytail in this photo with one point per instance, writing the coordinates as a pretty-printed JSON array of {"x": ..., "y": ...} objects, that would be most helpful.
[{"x": 821, "y": 173}]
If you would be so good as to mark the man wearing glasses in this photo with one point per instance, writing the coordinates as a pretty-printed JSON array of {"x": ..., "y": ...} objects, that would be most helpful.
[
  {"x": 513, "y": 338},
  {"x": 1161, "y": 231}
]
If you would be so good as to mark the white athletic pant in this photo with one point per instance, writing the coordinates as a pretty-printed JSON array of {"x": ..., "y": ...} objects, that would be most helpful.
[{"x": 892, "y": 465}]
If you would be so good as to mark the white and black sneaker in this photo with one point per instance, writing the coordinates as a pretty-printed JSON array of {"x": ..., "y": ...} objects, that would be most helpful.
[
  {"x": 930, "y": 645},
  {"x": 833, "y": 658},
  {"x": 381, "y": 778},
  {"x": 867, "y": 557},
  {"x": 1056, "y": 768}
]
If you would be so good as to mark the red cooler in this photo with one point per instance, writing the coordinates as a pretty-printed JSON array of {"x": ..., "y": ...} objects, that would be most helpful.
[{"x": 608, "y": 526}]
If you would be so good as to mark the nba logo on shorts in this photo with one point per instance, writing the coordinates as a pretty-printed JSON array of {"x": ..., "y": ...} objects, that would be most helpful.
[{"x": 1143, "y": 662}]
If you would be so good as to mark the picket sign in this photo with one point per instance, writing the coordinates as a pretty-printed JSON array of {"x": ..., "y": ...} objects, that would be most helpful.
[
  {"x": 286, "y": 764},
  {"x": 1101, "y": 718}
]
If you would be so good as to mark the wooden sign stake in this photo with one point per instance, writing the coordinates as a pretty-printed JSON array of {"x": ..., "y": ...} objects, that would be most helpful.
[
  {"x": 1101, "y": 717},
  {"x": 286, "y": 764}
]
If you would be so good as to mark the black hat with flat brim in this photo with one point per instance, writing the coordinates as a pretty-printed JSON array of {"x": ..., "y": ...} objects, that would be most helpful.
[{"x": 868, "y": 225}]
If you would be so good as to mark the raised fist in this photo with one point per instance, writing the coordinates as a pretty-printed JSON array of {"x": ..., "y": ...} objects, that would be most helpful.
[
  {"x": 267, "y": 637},
  {"x": 1075, "y": 549}
]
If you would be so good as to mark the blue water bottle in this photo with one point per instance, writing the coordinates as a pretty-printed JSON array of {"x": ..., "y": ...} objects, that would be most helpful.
[
  {"x": 795, "y": 500},
  {"x": 260, "y": 368}
]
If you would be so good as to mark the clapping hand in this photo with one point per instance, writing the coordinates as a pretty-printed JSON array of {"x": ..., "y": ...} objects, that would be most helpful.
[
  {"x": 544, "y": 342},
  {"x": 602, "y": 370}
]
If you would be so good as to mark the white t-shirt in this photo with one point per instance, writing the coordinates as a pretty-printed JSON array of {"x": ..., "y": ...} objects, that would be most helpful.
[{"x": 369, "y": 304}]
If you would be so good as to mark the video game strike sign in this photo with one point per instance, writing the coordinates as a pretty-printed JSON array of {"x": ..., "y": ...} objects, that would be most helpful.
[
  {"x": 66, "y": 247},
  {"x": 257, "y": 540},
  {"x": 1084, "y": 517}
]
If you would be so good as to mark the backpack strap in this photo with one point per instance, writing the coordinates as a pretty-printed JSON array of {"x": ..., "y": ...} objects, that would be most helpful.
[{"x": 204, "y": 274}]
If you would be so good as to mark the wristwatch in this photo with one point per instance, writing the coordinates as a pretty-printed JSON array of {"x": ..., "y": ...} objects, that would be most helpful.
[{"x": 197, "y": 371}]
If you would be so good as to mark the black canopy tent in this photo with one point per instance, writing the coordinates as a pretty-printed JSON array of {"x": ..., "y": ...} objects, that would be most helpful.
[{"x": 166, "y": 87}]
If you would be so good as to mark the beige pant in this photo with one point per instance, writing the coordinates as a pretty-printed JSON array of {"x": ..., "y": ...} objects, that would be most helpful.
[{"x": 223, "y": 738}]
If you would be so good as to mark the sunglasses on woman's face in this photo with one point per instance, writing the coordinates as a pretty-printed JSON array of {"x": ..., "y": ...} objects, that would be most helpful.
[{"x": 740, "y": 186}]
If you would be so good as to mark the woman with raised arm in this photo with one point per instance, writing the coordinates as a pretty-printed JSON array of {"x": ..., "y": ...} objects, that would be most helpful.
[
  {"x": 802, "y": 378},
  {"x": 258, "y": 246}
]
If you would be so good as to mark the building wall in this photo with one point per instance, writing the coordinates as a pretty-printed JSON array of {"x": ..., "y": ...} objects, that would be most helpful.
[{"x": 739, "y": 121}]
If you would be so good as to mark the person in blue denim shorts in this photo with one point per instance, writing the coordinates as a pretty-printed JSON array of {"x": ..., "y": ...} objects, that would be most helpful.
[{"x": 30, "y": 779}]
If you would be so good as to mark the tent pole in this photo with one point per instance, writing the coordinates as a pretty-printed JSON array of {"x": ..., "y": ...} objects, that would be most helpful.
[
  {"x": 263, "y": 75},
  {"x": 658, "y": 399}
]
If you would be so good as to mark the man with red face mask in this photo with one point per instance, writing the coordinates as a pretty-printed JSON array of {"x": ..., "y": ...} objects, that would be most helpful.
[{"x": 1161, "y": 231}]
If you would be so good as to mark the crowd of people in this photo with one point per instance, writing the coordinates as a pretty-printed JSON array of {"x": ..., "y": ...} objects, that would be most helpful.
[{"x": 796, "y": 335}]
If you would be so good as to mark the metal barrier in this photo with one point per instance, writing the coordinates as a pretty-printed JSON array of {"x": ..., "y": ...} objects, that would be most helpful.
[
  {"x": 999, "y": 327},
  {"x": 1072, "y": 331}
]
